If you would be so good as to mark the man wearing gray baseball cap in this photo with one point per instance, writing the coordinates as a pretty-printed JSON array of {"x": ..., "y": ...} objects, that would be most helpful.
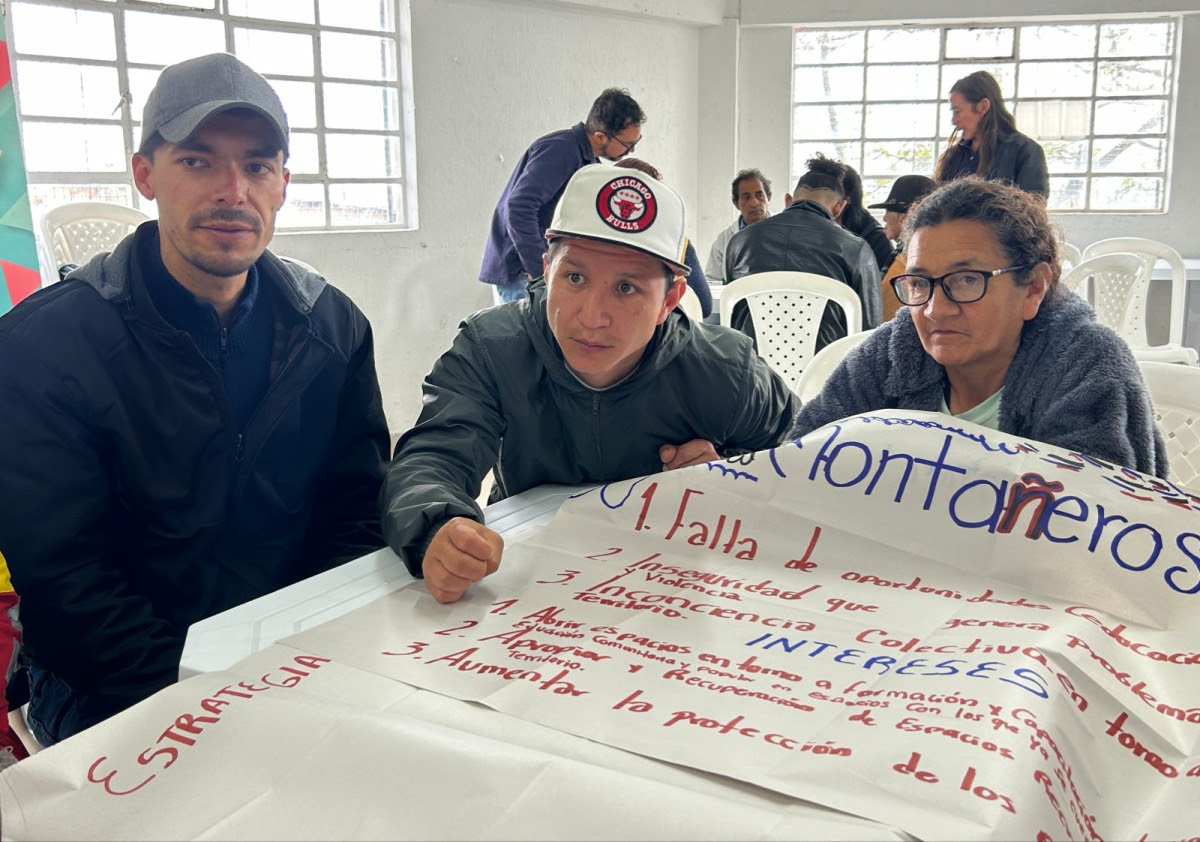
[
  {"x": 190, "y": 422},
  {"x": 594, "y": 378}
]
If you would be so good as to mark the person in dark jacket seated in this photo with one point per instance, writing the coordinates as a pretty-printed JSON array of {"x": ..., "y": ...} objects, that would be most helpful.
[
  {"x": 189, "y": 422},
  {"x": 856, "y": 219},
  {"x": 806, "y": 238},
  {"x": 985, "y": 140},
  {"x": 592, "y": 379},
  {"x": 989, "y": 336}
]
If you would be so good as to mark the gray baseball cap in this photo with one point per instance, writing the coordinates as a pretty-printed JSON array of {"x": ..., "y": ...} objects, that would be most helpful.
[{"x": 189, "y": 92}]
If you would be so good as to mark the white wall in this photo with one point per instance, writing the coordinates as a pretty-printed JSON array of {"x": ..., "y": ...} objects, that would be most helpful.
[{"x": 489, "y": 77}]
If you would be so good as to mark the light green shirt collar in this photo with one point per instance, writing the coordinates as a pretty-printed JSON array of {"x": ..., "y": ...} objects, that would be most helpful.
[{"x": 986, "y": 414}]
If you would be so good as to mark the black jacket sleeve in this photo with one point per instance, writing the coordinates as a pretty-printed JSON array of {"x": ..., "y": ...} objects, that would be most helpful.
[
  {"x": 1031, "y": 173},
  {"x": 345, "y": 520},
  {"x": 439, "y": 464},
  {"x": 871, "y": 231},
  {"x": 698, "y": 282},
  {"x": 58, "y": 523},
  {"x": 764, "y": 410}
]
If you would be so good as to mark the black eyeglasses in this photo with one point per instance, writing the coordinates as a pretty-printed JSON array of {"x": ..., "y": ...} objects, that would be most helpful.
[
  {"x": 962, "y": 286},
  {"x": 628, "y": 146}
]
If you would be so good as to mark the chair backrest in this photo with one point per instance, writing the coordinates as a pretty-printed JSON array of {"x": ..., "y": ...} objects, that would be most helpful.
[
  {"x": 1175, "y": 390},
  {"x": 787, "y": 308},
  {"x": 1118, "y": 282},
  {"x": 78, "y": 231},
  {"x": 690, "y": 305},
  {"x": 1068, "y": 256},
  {"x": 1152, "y": 251},
  {"x": 813, "y": 378}
]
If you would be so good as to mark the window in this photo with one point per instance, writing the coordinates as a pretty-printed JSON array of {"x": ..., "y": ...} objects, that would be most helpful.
[
  {"x": 85, "y": 67},
  {"x": 1097, "y": 96}
]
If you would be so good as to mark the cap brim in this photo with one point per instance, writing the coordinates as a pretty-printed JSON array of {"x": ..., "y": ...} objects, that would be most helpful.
[
  {"x": 182, "y": 126},
  {"x": 682, "y": 268}
]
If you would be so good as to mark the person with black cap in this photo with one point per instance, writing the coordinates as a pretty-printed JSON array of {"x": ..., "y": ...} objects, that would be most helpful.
[
  {"x": 190, "y": 422},
  {"x": 591, "y": 379},
  {"x": 906, "y": 190}
]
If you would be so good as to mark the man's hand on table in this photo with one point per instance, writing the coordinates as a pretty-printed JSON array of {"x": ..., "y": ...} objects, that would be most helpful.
[
  {"x": 461, "y": 552},
  {"x": 694, "y": 452}
]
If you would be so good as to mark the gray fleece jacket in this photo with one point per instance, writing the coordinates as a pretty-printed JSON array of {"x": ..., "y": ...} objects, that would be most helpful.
[{"x": 1073, "y": 383}]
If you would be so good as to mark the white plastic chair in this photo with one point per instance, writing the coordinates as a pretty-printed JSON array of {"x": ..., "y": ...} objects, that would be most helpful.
[
  {"x": 690, "y": 305},
  {"x": 812, "y": 379},
  {"x": 1175, "y": 390},
  {"x": 1116, "y": 274},
  {"x": 78, "y": 231},
  {"x": 1068, "y": 256},
  {"x": 1132, "y": 318},
  {"x": 787, "y": 308}
]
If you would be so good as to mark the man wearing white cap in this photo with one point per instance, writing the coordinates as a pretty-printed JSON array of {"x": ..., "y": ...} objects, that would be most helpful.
[
  {"x": 189, "y": 421},
  {"x": 592, "y": 379}
]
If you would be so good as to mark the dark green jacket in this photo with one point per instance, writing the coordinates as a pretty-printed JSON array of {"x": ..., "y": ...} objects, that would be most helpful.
[{"x": 504, "y": 382}]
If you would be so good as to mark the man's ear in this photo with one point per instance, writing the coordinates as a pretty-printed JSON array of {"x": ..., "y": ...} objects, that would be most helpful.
[
  {"x": 143, "y": 169},
  {"x": 838, "y": 208},
  {"x": 787, "y": 200},
  {"x": 675, "y": 293}
]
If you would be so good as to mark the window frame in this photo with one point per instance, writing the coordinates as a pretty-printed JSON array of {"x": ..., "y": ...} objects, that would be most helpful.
[
  {"x": 127, "y": 114},
  {"x": 875, "y": 182}
]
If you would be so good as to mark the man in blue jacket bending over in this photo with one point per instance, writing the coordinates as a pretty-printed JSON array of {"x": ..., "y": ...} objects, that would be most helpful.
[
  {"x": 516, "y": 240},
  {"x": 591, "y": 379},
  {"x": 189, "y": 422}
]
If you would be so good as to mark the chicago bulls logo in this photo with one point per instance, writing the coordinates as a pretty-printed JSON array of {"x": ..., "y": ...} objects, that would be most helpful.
[{"x": 627, "y": 204}]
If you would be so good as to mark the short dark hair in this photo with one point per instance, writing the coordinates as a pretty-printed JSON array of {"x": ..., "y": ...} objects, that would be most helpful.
[
  {"x": 640, "y": 165},
  {"x": 613, "y": 111},
  {"x": 150, "y": 145},
  {"x": 553, "y": 246},
  {"x": 824, "y": 174},
  {"x": 745, "y": 174},
  {"x": 1017, "y": 219}
]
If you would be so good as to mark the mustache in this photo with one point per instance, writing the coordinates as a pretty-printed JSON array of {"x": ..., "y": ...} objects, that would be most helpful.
[{"x": 230, "y": 215}]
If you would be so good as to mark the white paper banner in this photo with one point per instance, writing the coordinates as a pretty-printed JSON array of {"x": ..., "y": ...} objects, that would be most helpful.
[{"x": 915, "y": 621}]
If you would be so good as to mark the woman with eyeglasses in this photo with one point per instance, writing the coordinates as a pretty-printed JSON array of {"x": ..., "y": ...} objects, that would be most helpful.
[
  {"x": 989, "y": 336},
  {"x": 985, "y": 140}
]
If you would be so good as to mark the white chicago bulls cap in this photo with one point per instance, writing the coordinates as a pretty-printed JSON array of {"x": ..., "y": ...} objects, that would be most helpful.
[{"x": 626, "y": 207}]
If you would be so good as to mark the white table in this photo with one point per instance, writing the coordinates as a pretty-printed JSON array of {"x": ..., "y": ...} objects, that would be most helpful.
[
  {"x": 688, "y": 804},
  {"x": 224, "y": 639}
]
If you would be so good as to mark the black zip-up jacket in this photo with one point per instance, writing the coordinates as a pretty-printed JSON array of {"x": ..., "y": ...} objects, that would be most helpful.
[
  {"x": 1018, "y": 160},
  {"x": 133, "y": 508},
  {"x": 804, "y": 238},
  {"x": 504, "y": 380}
]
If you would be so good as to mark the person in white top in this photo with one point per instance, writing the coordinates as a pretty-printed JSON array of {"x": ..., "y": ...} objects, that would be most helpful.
[{"x": 751, "y": 196}]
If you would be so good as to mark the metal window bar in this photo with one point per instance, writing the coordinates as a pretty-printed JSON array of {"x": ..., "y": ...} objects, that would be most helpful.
[
  {"x": 127, "y": 114},
  {"x": 1019, "y": 66}
]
